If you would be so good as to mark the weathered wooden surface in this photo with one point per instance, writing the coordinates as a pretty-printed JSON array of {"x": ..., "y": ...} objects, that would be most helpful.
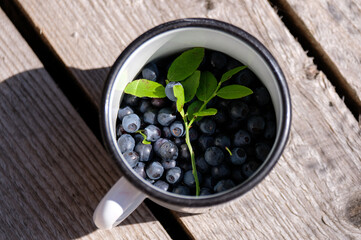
[
  {"x": 334, "y": 29},
  {"x": 313, "y": 193},
  {"x": 53, "y": 171}
]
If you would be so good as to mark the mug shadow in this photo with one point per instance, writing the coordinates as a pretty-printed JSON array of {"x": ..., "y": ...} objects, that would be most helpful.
[{"x": 44, "y": 168}]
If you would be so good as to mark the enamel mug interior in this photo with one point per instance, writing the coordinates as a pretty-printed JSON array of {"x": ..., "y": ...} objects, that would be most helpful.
[{"x": 176, "y": 37}]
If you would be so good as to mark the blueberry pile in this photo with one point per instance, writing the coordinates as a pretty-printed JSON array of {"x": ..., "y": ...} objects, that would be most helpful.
[{"x": 229, "y": 146}]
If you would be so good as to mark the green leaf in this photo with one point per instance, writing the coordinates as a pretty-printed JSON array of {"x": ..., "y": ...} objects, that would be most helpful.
[
  {"x": 145, "y": 88},
  {"x": 190, "y": 85},
  {"x": 207, "y": 86},
  {"x": 206, "y": 112},
  {"x": 185, "y": 65},
  {"x": 194, "y": 107},
  {"x": 234, "y": 92},
  {"x": 179, "y": 94},
  {"x": 227, "y": 75}
]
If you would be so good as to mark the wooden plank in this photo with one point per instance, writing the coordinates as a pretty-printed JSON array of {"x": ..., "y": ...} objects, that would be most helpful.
[
  {"x": 53, "y": 171},
  {"x": 313, "y": 193},
  {"x": 334, "y": 30}
]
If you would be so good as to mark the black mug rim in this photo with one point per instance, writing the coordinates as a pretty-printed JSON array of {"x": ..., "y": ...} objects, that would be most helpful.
[{"x": 285, "y": 119}]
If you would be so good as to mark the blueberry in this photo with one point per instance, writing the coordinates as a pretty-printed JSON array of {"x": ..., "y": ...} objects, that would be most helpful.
[
  {"x": 270, "y": 130},
  {"x": 214, "y": 156},
  {"x": 182, "y": 190},
  {"x": 241, "y": 138},
  {"x": 262, "y": 150},
  {"x": 222, "y": 141},
  {"x": 256, "y": 124},
  {"x": 249, "y": 168},
  {"x": 184, "y": 152},
  {"x": 261, "y": 95},
  {"x": 173, "y": 175},
  {"x": 208, "y": 182},
  {"x": 220, "y": 171},
  {"x": 202, "y": 165},
  {"x": 131, "y": 123},
  {"x": 168, "y": 151},
  {"x": 144, "y": 105},
  {"x": 150, "y": 72},
  {"x": 132, "y": 158},
  {"x": 162, "y": 185},
  {"x": 188, "y": 179},
  {"x": 150, "y": 116},
  {"x": 239, "y": 156},
  {"x": 145, "y": 151},
  {"x": 239, "y": 110},
  {"x": 193, "y": 134},
  {"x": 178, "y": 141},
  {"x": 246, "y": 78},
  {"x": 140, "y": 169},
  {"x": 220, "y": 117},
  {"x": 167, "y": 164},
  {"x": 151, "y": 181},
  {"x": 152, "y": 132},
  {"x": 119, "y": 130},
  {"x": 122, "y": 112},
  {"x": 169, "y": 90},
  {"x": 126, "y": 143},
  {"x": 166, "y": 132},
  {"x": 154, "y": 170},
  {"x": 158, "y": 144},
  {"x": 185, "y": 165},
  {"x": 236, "y": 175},
  {"x": 207, "y": 126},
  {"x": 158, "y": 102},
  {"x": 131, "y": 100},
  {"x": 218, "y": 60},
  {"x": 166, "y": 117},
  {"x": 138, "y": 138},
  {"x": 223, "y": 185},
  {"x": 177, "y": 129},
  {"x": 205, "y": 191}
]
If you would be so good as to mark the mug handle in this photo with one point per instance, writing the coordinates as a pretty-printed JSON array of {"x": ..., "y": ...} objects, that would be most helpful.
[{"x": 120, "y": 201}]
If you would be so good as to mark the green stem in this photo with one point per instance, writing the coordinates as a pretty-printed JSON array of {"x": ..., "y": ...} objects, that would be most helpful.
[{"x": 193, "y": 160}]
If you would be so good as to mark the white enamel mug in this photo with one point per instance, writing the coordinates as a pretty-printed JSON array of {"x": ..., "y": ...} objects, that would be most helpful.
[{"x": 166, "y": 39}]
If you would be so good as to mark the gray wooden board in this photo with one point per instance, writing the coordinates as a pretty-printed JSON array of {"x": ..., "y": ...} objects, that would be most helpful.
[
  {"x": 313, "y": 192},
  {"x": 53, "y": 171}
]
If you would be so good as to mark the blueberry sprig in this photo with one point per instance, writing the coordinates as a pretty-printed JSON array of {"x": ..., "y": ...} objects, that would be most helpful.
[{"x": 185, "y": 84}]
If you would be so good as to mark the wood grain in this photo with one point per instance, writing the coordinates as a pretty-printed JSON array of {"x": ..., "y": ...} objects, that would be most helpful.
[
  {"x": 334, "y": 30},
  {"x": 53, "y": 171},
  {"x": 313, "y": 193}
]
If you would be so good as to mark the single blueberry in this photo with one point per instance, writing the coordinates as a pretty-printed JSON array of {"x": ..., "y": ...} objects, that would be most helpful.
[
  {"x": 162, "y": 185},
  {"x": 132, "y": 158},
  {"x": 150, "y": 72},
  {"x": 184, "y": 152},
  {"x": 138, "y": 138},
  {"x": 158, "y": 102},
  {"x": 165, "y": 116},
  {"x": 144, "y": 105},
  {"x": 154, "y": 170},
  {"x": 168, "y": 151},
  {"x": 256, "y": 124},
  {"x": 270, "y": 130},
  {"x": 222, "y": 141},
  {"x": 261, "y": 95},
  {"x": 188, "y": 179},
  {"x": 177, "y": 129},
  {"x": 158, "y": 144},
  {"x": 214, "y": 156},
  {"x": 178, "y": 141},
  {"x": 173, "y": 175},
  {"x": 152, "y": 132},
  {"x": 145, "y": 151},
  {"x": 140, "y": 169},
  {"x": 205, "y": 191},
  {"x": 122, "y": 112},
  {"x": 166, "y": 132},
  {"x": 193, "y": 134},
  {"x": 249, "y": 168},
  {"x": 169, "y": 90},
  {"x": 220, "y": 171},
  {"x": 220, "y": 117},
  {"x": 202, "y": 165},
  {"x": 119, "y": 130},
  {"x": 131, "y": 123},
  {"x": 167, "y": 164},
  {"x": 185, "y": 165},
  {"x": 209, "y": 182},
  {"x": 223, "y": 185},
  {"x": 126, "y": 143},
  {"x": 236, "y": 175},
  {"x": 241, "y": 138},
  {"x": 262, "y": 150},
  {"x": 239, "y": 156},
  {"x": 131, "y": 100},
  {"x": 207, "y": 126},
  {"x": 182, "y": 190},
  {"x": 239, "y": 110},
  {"x": 150, "y": 116},
  {"x": 246, "y": 78}
]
